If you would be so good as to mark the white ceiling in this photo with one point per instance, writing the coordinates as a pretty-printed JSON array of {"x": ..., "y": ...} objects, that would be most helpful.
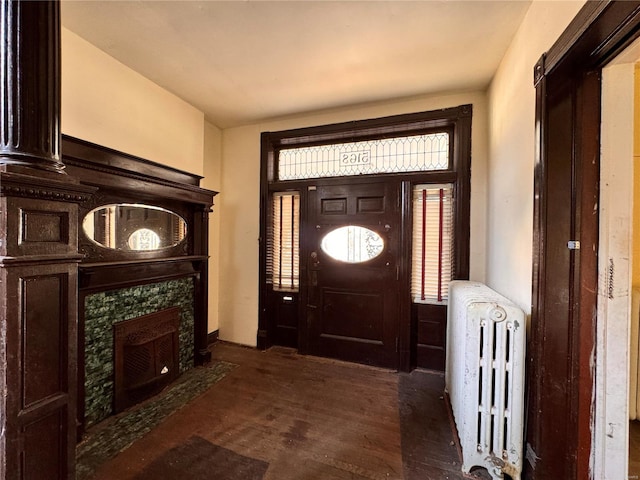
[{"x": 245, "y": 61}]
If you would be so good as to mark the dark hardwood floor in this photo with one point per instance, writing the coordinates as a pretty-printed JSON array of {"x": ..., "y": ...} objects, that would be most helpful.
[{"x": 281, "y": 416}]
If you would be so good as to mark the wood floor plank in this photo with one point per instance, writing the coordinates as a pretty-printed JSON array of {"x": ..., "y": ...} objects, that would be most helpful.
[{"x": 308, "y": 418}]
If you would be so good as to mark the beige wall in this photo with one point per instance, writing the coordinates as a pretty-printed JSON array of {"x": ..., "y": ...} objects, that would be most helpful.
[
  {"x": 107, "y": 103},
  {"x": 511, "y": 151},
  {"x": 240, "y": 206},
  {"x": 213, "y": 181}
]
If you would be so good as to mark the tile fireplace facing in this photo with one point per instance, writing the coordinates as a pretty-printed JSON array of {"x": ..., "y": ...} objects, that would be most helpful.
[{"x": 105, "y": 309}]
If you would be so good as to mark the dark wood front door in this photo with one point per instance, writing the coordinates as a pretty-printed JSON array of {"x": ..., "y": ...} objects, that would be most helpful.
[{"x": 353, "y": 304}]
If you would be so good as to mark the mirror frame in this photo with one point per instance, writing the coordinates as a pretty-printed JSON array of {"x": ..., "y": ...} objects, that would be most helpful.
[
  {"x": 123, "y": 237},
  {"x": 93, "y": 252}
]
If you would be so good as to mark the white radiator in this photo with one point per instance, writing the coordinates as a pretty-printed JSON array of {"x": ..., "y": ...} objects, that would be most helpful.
[
  {"x": 634, "y": 356},
  {"x": 485, "y": 377}
]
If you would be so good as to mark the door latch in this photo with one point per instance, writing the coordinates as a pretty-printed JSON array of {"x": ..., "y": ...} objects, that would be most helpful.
[{"x": 573, "y": 244}]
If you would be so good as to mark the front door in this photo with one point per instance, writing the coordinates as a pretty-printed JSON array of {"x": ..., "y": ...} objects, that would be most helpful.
[{"x": 353, "y": 233}]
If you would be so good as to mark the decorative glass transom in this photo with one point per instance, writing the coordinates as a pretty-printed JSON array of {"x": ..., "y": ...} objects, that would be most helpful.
[
  {"x": 352, "y": 244},
  {"x": 389, "y": 155}
]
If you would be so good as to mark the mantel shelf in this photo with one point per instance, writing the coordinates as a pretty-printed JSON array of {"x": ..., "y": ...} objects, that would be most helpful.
[{"x": 129, "y": 263}]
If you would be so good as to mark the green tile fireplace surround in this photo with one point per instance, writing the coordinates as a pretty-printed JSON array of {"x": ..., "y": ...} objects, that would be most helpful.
[{"x": 102, "y": 310}]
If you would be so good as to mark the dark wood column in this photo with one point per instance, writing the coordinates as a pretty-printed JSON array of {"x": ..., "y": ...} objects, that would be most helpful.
[
  {"x": 38, "y": 252},
  {"x": 30, "y": 84}
]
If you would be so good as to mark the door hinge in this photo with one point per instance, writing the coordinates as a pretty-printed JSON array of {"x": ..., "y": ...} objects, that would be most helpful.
[{"x": 573, "y": 244}]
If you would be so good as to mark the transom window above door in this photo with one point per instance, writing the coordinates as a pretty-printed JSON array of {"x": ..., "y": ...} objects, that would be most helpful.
[{"x": 401, "y": 154}]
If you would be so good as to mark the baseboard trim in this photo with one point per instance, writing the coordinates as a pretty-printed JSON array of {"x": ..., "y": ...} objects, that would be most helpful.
[{"x": 212, "y": 337}]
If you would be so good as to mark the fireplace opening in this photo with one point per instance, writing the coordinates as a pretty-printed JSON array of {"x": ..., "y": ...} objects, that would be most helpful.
[{"x": 146, "y": 356}]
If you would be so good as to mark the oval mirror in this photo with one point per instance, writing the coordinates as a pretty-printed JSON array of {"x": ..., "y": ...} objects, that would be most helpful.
[
  {"x": 134, "y": 227},
  {"x": 352, "y": 244}
]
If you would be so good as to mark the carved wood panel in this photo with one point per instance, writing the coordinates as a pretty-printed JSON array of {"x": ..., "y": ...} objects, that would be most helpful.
[
  {"x": 40, "y": 369},
  {"x": 43, "y": 337}
]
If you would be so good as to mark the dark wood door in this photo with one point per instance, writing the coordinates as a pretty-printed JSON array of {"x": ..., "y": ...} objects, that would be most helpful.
[{"x": 353, "y": 304}]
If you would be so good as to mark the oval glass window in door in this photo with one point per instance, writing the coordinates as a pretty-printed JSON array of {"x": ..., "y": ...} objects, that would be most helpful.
[{"x": 352, "y": 244}]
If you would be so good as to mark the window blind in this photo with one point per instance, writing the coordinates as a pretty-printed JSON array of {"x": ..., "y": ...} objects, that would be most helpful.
[
  {"x": 283, "y": 249},
  {"x": 432, "y": 243}
]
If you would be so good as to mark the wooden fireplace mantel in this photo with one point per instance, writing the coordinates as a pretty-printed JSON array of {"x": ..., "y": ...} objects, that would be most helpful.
[
  {"x": 102, "y": 276},
  {"x": 122, "y": 178}
]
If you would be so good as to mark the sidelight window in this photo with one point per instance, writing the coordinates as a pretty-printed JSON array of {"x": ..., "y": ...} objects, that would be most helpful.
[
  {"x": 283, "y": 253},
  {"x": 432, "y": 249}
]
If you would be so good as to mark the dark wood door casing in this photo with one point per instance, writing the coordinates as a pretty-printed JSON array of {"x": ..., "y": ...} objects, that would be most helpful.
[
  {"x": 562, "y": 341},
  {"x": 567, "y": 287},
  {"x": 456, "y": 120}
]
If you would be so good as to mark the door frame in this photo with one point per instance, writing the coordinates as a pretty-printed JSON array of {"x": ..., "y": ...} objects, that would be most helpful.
[
  {"x": 457, "y": 120},
  {"x": 569, "y": 72}
]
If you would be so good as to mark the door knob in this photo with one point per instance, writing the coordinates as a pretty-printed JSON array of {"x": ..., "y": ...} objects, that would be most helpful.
[{"x": 315, "y": 263}]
